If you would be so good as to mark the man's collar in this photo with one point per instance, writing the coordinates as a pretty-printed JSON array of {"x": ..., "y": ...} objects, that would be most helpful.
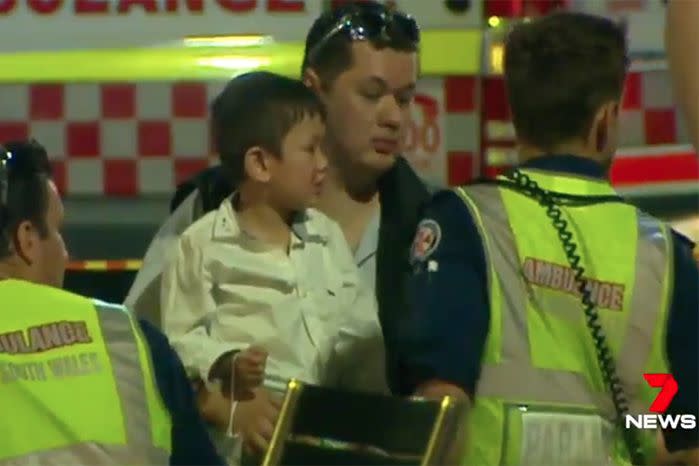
[
  {"x": 402, "y": 194},
  {"x": 567, "y": 163}
]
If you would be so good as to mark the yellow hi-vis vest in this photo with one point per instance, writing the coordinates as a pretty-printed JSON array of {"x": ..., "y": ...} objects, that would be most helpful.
[
  {"x": 541, "y": 398},
  {"x": 76, "y": 382}
]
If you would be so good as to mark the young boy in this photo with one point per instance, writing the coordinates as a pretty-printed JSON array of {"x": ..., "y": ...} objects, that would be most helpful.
[{"x": 266, "y": 268}]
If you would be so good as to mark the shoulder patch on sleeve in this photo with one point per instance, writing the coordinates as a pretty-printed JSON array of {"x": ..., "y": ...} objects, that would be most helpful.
[{"x": 426, "y": 241}]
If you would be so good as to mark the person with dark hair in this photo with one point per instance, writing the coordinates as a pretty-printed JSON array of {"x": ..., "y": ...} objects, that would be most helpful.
[
  {"x": 266, "y": 268},
  {"x": 31, "y": 246},
  {"x": 140, "y": 408},
  {"x": 361, "y": 59},
  {"x": 542, "y": 297}
]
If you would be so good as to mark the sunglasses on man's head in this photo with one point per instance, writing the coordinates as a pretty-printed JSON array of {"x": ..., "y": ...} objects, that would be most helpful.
[
  {"x": 15, "y": 161},
  {"x": 369, "y": 23}
]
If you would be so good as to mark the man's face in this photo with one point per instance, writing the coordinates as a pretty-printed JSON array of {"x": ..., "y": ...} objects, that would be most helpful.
[
  {"x": 368, "y": 107},
  {"x": 48, "y": 255}
]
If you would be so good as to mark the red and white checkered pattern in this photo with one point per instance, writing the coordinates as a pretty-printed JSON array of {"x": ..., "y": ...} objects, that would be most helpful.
[
  {"x": 462, "y": 128},
  {"x": 119, "y": 139},
  {"x": 649, "y": 116},
  {"x": 143, "y": 138},
  {"x": 129, "y": 139},
  {"x": 449, "y": 108},
  {"x": 653, "y": 138}
]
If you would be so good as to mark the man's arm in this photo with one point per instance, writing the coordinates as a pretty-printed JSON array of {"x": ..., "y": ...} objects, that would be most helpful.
[
  {"x": 683, "y": 57},
  {"x": 441, "y": 344},
  {"x": 190, "y": 440},
  {"x": 144, "y": 296},
  {"x": 683, "y": 345}
]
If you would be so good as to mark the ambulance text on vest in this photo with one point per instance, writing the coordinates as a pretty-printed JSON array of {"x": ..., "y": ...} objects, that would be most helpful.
[
  {"x": 16, "y": 344},
  {"x": 606, "y": 295}
]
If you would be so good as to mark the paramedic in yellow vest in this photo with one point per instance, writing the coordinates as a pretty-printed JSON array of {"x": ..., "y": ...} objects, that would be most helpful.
[
  {"x": 497, "y": 315},
  {"x": 81, "y": 382}
]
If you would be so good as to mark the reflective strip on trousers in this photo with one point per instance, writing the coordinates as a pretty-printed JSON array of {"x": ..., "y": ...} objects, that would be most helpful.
[
  {"x": 129, "y": 378},
  {"x": 518, "y": 379}
]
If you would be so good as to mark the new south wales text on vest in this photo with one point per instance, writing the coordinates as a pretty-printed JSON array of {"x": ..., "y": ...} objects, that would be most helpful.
[{"x": 17, "y": 348}]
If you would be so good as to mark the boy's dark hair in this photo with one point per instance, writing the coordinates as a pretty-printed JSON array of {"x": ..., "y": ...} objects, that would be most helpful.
[
  {"x": 335, "y": 56},
  {"x": 559, "y": 70},
  {"x": 258, "y": 109},
  {"x": 28, "y": 169}
]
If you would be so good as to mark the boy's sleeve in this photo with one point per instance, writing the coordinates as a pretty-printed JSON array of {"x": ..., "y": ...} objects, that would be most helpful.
[{"x": 187, "y": 305}]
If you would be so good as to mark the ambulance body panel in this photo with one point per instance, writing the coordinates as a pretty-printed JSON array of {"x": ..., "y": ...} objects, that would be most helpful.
[{"x": 123, "y": 109}]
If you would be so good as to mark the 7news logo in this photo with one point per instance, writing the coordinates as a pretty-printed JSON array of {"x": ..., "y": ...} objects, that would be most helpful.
[{"x": 668, "y": 390}]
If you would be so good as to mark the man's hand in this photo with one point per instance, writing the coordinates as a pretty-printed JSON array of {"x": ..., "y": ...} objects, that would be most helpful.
[
  {"x": 254, "y": 420},
  {"x": 249, "y": 369},
  {"x": 436, "y": 390},
  {"x": 213, "y": 406},
  {"x": 249, "y": 372}
]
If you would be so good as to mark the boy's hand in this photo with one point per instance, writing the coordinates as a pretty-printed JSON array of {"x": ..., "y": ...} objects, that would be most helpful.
[{"x": 249, "y": 372}]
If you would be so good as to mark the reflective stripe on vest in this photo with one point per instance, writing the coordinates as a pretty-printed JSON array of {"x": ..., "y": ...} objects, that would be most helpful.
[
  {"x": 518, "y": 378},
  {"x": 120, "y": 340},
  {"x": 90, "y": 454}
]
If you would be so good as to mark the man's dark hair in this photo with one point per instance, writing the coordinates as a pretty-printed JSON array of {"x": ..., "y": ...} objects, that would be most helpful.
[
  {"x": 335, "y": 56},
  {"x": 258, "y": 109},
  {"x": 559, "y": 70},
  {"x": 28, "y": 169}
]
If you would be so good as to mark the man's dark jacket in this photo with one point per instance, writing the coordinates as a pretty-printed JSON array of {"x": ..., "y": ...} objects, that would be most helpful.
[{"x": 402, "y": 195}]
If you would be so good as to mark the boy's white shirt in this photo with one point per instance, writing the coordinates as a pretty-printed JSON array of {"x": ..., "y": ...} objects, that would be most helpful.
[{"x": 221, "y": 290}]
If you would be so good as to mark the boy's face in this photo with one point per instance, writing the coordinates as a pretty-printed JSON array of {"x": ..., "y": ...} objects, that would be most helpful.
[{"x": 297, "y": 176}]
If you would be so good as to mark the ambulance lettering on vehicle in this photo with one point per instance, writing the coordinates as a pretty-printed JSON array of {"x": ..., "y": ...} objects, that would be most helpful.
[
  {"x": 668, "y": 389},
  {"x": 90, "y": 7}
]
